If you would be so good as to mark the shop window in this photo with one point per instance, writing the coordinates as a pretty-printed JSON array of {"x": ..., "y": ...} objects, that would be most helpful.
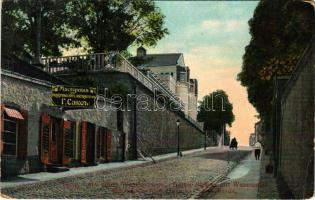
[
  {"x": 9, "y": 136},
  {"x": 14, "y": 132}
]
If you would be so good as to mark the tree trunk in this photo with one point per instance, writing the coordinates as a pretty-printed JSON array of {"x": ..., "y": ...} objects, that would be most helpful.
[{"x": 38, "y": 23}]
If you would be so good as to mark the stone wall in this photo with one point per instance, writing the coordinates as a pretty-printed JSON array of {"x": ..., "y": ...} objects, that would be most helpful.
[
  {"x": 156, "y": 130},
  {"x": 297, "y": 129},
  {"x": 35, "y": 98}
]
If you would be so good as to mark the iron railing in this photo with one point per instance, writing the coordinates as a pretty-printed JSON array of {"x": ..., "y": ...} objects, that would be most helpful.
[{"x": 111, "y": 61}]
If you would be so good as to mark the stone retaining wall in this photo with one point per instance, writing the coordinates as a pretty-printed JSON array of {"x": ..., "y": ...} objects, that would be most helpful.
[
  {"x": 297, "y": 129},
  {"x": 156, "y": 130}
]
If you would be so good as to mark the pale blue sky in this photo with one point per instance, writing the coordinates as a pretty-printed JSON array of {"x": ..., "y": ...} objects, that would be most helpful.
[
  {"x": 206, "y": 23},
  {"x": 212, "y": 36}
]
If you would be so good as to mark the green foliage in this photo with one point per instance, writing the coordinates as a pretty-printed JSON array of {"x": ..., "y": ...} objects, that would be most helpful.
[
  {"x": 114, "y": 25},
  {"x": 213, "y": 113},
  {"x": 19, "y": 27},
  {"x": 279, "y": 29},
  {"x": 44, "y": 27}
]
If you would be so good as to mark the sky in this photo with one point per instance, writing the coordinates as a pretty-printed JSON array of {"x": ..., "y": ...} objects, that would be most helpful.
[{"x": 212, "y": 36}]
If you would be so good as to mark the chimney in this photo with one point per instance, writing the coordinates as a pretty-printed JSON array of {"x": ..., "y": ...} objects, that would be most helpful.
[{"x": 141, "y": 52}]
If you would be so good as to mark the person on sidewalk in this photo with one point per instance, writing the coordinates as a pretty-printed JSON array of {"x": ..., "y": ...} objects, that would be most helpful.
[
  {"x": 236, "y": 143},
  {"x": 233, "y": 144},
  {"x": 257, "y": 147}
]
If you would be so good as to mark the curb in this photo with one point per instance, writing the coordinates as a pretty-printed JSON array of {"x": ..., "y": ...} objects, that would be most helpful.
[
  {"x": 213, "y": 183},
  {"x": 208, "y": 188},
  {"x": 106, "y": 171}
]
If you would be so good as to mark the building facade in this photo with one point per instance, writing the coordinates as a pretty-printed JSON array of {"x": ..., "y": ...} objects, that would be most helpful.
[
  {"x": 36, "y": 136},
  {"x": 171, "y": 71}
]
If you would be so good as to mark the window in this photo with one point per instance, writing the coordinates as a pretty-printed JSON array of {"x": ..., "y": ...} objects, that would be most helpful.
[
  {"x": 9, "y": 136},
  {"x": 12, "y": 139},
  {"x": 172, "y": 74},
  {"x": 182, "y": 77}
]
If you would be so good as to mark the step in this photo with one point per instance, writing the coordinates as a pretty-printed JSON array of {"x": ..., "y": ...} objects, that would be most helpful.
[{"x": 56, "y": 168}]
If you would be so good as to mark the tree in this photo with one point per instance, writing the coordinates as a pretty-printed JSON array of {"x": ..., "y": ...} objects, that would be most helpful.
[
  {"x": 280, "y": 31},
  {"x": 35, "y": 27},
  {"x": 114, "y": 25},
  {"x": 215, "y": 110}
]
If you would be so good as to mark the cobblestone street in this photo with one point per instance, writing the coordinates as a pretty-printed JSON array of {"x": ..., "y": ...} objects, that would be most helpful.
[{"x": 176, "y": 178}]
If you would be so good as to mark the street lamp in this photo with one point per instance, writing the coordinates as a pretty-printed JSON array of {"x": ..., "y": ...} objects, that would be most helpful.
[
  {"x": 205, "y": 146},
  {"x": 178, "y": 123}
]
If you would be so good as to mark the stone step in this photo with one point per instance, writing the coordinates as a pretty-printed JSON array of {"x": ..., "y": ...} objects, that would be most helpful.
[{"x": 55, "y": 168}]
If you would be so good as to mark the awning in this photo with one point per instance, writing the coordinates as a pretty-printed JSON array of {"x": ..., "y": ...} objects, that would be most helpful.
[{"x": 13, "y": 113}]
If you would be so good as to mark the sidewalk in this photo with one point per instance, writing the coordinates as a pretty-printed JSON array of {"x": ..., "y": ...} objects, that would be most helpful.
[
  {"x": 268, "y": 184},
  {"x": 46, "y": 176},
  {"x": 242, "y": 182}
]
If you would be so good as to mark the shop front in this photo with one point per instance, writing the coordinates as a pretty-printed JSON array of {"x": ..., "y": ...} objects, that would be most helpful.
[{"x": 64, "y": 142}]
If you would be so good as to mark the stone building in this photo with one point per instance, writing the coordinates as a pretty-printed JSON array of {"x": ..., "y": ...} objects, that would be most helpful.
[
  {"x": 252, "y": 139},
  {"x": 38, "y": 137},
  {"x": 171, "y": 71},
  {"x": 34, "y": 134}
]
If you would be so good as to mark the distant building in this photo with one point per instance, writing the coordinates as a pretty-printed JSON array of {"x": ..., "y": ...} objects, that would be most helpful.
[
  {"x": 171, "y": 71},
  {"x": 252, "y": 139},
  {"x": 259, "y": 131}
]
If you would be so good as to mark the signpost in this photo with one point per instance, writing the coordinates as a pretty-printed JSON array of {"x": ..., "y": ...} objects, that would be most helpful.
[{"x": 72, "y": 96}]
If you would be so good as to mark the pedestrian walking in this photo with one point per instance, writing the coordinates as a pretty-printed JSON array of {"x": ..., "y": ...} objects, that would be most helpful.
[
  {"x": 257, "y": 147},
  {"x": 233, "y": 144}
]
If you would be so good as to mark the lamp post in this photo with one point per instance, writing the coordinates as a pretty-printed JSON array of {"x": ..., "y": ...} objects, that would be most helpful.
[
  {"x": 205, "y": 147},
  {"x": 135, "y": 120},
  {"x": 178, "y": 123}
]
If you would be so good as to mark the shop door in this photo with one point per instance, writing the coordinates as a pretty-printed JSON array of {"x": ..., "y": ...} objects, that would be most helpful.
[
  {"x": 68, "y": 142},
  {"x": 101, "y": 144},
  {"x": 90, "y": 154},
  {"x": 83, "y": 142},
  {"x": 55, "y": 141},
  {"x": 108, "y": 145}
]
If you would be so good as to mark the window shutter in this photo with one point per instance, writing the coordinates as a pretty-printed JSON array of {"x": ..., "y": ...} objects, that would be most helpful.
[
  {"x": 1, "y": 128},
  {"x": 22, "y": 136},
  {"x": 109, "y": 145},
  {"x": 98, "y": 143},
  {"x": 104, "y": 140},
  {"x": 45, "y": 132},
  {"x": 67, "y": 142},
  {"x": 83, "y": 141}
]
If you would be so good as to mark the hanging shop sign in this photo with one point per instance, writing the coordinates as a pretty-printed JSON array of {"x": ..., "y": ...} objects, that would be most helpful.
[{"x": 70, "y": 96}]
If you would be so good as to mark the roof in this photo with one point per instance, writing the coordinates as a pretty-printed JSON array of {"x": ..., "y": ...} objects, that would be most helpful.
[
  {"x": 16, "y": 65},
  {"x": 155, "y": 60}
]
